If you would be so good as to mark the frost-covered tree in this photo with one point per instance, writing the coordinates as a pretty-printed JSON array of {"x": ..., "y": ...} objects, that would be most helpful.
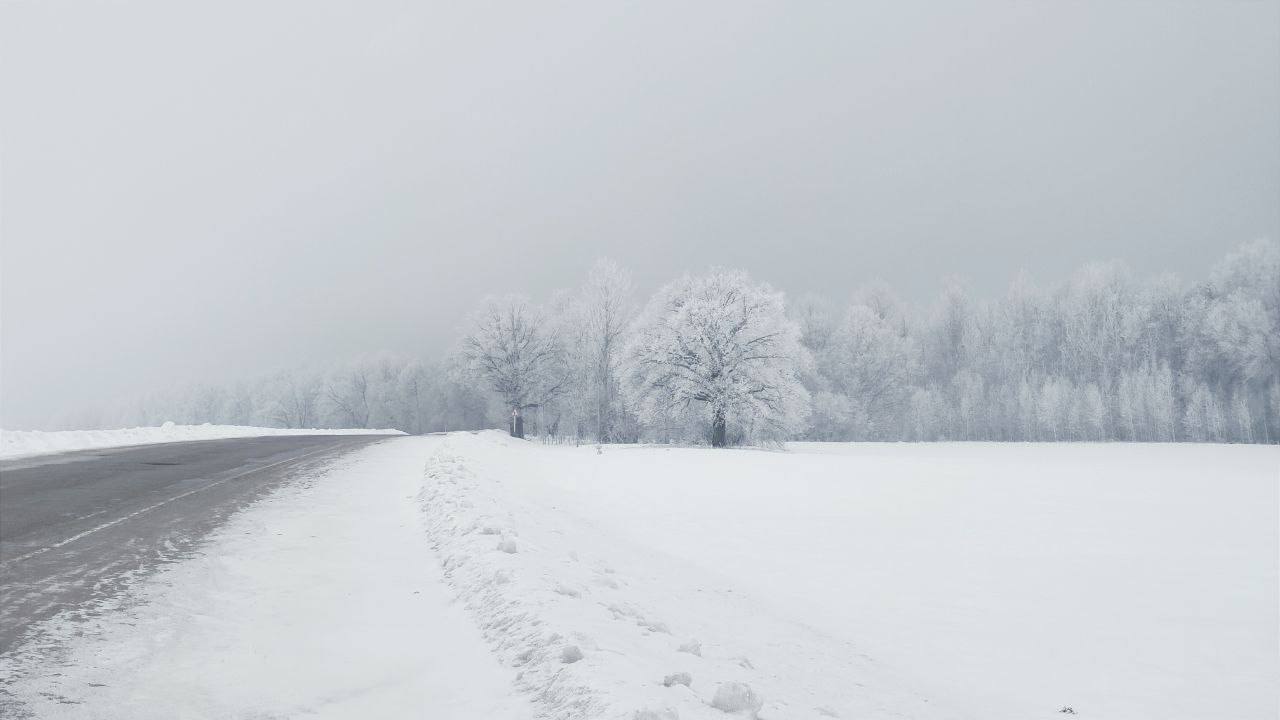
[
  {"x": 950, "y": 333},
  {"x": 607, "y": 312},
  {"x": 723, "y": 344},
  {"x": 513, "y": 349},
  {"x": 1203, "y": 420},
  {"x": 293, "y": 399},
  {"x": 869, "y": 365},
  {"x": 1102, "y": 356},
  {"x": 592, "y": 323},
  {"x": 411, "y": 401},
  {"x": 346, "y": 394},
  {"x": 817, "y": 322}
]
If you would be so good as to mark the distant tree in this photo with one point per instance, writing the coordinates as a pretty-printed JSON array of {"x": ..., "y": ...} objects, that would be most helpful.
[
  {"x": 592, "y": 322},
  {"x": 869, "y": 365},
  {"x": 413, "y": 386},
  {"x": 1100, "y": 357},
  {"x": 1097, "y": 323},
  {"x": 1049, "y": 408},
  {"x": 816, "y": 320},
  {"x": 1203, "y": 420},
  {"x": 513, "y": 350},
  {"x": 1241, "y": 418},
  {"x": 347, "y": 393},
  {"x": 949, "y": 333},
  {"x": 238, "y": 406},
  {"x": 293, "y": 401},
  {"x": 723, "y": 343}
]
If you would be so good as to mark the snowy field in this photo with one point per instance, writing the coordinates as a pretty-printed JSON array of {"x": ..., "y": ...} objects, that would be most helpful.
[
  {"x": 472, "y": 575},
  {"x": 26, "y": 443},
  {"x": 946, "y": 580}
]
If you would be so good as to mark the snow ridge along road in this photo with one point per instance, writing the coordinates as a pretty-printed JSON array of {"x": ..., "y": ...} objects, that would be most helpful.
[{"x": 319, "y": 601}]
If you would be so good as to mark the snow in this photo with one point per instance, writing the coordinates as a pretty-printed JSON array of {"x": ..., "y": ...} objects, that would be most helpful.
[
  {"x": 736, "y": 698},
  {"x": 26, "y": 443},
  {"x": 871, "y": 580},
  {"x": 319, "y": 602},
  {"x": 472, "y": 575}
]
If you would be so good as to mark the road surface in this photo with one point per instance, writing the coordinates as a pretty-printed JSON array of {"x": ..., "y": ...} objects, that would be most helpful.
[{"x": 77, "y": 528}]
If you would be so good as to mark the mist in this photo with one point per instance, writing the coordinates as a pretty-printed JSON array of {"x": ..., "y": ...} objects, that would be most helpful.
[{"x": 199, "y": 193}]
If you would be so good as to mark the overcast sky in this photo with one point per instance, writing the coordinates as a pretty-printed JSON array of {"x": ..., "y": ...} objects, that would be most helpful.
[{"x": 216, "y": 189}]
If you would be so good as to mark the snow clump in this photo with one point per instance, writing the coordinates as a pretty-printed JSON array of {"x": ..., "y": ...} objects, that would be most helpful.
[{"x": 733, "y": 697}]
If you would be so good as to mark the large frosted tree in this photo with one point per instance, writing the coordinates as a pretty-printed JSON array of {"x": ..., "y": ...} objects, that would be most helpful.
[
  {"x": 513, "y": 350},
  {"x": 724, "y": 345}
]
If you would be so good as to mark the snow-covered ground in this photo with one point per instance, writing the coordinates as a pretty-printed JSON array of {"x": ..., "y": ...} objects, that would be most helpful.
[
  {"x": 950, "y": 580},
  {"x": 322, "y": 601},
  {"x": 25, "y": 443},
  {"x": 981, "y": 581}
]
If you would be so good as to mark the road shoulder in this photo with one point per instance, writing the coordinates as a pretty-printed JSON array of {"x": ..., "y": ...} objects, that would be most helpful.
[{"x": 322, "y": 600}]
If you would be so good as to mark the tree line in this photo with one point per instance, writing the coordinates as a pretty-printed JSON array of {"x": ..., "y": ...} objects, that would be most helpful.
[{"x": 722, "y": 358}]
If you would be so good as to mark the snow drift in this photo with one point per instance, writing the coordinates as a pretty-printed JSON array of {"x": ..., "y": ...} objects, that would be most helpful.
[{"x": 26, "y": 443}]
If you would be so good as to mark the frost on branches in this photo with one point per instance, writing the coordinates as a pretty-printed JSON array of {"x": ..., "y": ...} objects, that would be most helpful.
[
  {"x": 722, "y": 348},
  {"x": 512, "y": 349}
]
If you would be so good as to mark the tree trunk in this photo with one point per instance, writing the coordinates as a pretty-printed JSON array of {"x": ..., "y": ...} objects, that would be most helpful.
[
  {"x": 717, "y": 429},
  {"x": 602, "y": 416}
]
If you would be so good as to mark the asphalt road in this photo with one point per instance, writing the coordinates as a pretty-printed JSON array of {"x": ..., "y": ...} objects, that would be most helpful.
[{"x": 77, "y": 528}]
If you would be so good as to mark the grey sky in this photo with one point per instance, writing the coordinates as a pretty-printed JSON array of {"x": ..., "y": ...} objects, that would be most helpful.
[{"x": 215, "y": 189}]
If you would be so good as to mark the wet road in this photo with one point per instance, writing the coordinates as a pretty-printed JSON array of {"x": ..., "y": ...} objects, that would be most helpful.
[{"x": 77, "y": 528}]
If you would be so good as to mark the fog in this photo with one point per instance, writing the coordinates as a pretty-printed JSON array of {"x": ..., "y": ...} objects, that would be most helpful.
[{"x": 197, "y": 191}]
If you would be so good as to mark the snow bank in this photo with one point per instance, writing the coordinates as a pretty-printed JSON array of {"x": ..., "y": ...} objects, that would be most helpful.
[
  {"x": 993, "y": 581},
  {"x": 313, "y": 603},
  {"x": 25, "y": 443}
]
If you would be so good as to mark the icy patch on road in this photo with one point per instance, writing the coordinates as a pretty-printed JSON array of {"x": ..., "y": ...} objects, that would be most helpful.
[
  {"x": 28, "y": 443},
  {"x": 597, "y": 627}
]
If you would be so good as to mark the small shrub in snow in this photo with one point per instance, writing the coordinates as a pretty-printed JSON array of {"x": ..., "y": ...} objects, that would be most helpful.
[
  {"x": 507, "y": 546},
  {"x": 1068, "y": 710},
  {"x": 693, "y": 647},
  {"x": 735, "y": 697},
  {"x": 680, "y": 678},
  {"x": 570, "y": 654}
]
